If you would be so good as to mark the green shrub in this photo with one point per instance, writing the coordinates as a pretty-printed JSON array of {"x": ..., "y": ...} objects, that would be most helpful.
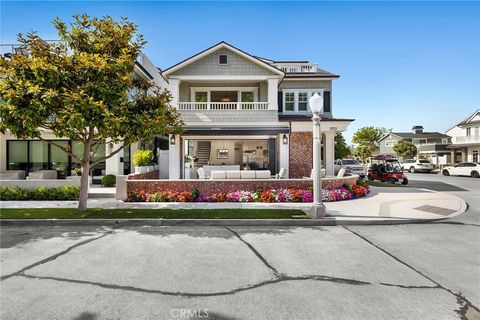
[
  {"x": 108, "y": 180},
  {"x": 142, "y": 158},
  {"x": 40, "y": 193}
]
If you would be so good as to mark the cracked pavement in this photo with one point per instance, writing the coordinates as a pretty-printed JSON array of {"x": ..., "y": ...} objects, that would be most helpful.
[
  {"x": 422, "y": 271},
  {"x": 232, "y": 272}
]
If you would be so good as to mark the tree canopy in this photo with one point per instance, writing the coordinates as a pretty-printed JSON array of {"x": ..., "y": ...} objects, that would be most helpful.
[
  {"x": 83, "y": 88},
  {"x": 364, "y": 151},
  {"x": 405, "y": 149},
  {"x": 368, "y": 135},
  {"x": 341, "y": 148}
]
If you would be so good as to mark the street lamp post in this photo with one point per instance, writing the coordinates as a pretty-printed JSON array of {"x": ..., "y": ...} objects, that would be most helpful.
[{"x": 318, "y": 208}]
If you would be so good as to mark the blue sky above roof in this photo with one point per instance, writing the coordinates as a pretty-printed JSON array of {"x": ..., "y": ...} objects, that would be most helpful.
[{"x": 401, "y": 63}]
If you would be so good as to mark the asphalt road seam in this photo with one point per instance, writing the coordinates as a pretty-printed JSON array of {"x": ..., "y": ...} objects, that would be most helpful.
[
  {"x": 265, "y": 262},
  {"x": 55, "y": 256},
  {"x": 457, "y": 295}
]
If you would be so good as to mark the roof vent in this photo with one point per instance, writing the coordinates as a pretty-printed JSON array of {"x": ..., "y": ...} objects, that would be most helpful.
[{"x": 417, "y": 129}]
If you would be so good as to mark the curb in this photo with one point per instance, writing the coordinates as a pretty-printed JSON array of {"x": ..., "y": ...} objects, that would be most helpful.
[{"x": 328, "y": 221}]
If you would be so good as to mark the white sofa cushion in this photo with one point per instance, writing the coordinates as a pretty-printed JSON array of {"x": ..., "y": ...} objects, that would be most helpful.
[
  {"x": 217, "y": 175},
  {"x": 247, "y": 174},
  {"x": 263, "y": 174},
  {"x": 233, "y": 174}
]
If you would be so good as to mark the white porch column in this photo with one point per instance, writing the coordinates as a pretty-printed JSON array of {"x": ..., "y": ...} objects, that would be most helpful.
[
  {"x": 113, "y": 164},
  {"x": 175, "y": 90},
  {"x": 174, "y": 157},
  {"x": 329, "y": 145},
  {"x": 284, "y": 153},
  {"x": 272, "y": 94}
]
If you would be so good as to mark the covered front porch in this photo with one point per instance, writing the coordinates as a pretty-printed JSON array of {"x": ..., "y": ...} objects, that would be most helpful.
[{"x": 274, "y": 149}]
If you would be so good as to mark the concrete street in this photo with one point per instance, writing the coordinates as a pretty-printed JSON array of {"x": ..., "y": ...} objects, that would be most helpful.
[{"x": 418, "y": 271}]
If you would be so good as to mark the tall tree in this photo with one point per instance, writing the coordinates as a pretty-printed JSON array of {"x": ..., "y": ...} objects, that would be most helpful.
[
  {"x": 405, "y": 149},
  {"x": 368, "y": 135},
  {"x": 82, "y": 88},
  {"x": 341, "y": 148}
]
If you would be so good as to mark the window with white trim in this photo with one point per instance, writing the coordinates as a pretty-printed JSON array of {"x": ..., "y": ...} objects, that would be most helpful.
[
  {"x": 390, "y": 143},
  {"x": 223, "y": 59},
  {"x": 303, "y": 101},
  {"x": 289, "y": 101},
  {"x": 296, "y": 100}
]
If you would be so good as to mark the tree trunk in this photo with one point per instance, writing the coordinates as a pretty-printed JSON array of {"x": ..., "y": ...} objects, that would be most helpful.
[{"x": 82, "y": 203}]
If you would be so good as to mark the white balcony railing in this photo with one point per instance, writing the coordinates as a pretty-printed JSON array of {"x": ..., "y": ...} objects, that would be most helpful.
[
  {"x": 223, "y": 106},
  {"x": 468, "y": 139},
  {"x": 298, "y": 67}
]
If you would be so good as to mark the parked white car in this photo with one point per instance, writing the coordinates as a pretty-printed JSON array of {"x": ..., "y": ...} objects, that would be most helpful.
[
  {"x": 471, "y": 169},
  {"x": 352, "y": 167},
  {"x": 413, "y": 165}
]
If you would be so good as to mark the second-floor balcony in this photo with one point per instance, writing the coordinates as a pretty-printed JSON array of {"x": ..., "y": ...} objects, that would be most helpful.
[
  {"x": 467, "y": 139},
  {"x": 223, "y": 106}
]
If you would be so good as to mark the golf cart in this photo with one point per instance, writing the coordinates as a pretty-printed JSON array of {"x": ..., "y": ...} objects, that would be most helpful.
[{"x": 386, "y": 168}]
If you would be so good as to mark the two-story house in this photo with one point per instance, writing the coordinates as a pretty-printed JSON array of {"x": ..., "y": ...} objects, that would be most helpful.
[
  {"x": 465, "y": 145},
  {"x": 248, "y": 112},
  {"x": 430, "y": 145},
  {"x": 239, "y": 110}
]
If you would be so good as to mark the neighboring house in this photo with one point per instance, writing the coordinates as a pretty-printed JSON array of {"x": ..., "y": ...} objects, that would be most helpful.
[
  {"x": 465, "y": 146},
  {"x": 245, "y": 111},
  {"x": 239, "y": 110},
  {"x": 33, "y": 155},
  {"x": 430, "y": 145}
]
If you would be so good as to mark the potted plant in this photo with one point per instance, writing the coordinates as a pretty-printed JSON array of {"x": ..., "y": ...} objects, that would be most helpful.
[{"x": 142, "y": 160}]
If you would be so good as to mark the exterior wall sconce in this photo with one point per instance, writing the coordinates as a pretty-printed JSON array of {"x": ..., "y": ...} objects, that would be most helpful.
[
  {"x": 285, "y": 139},
  {"x": 172, "y": 140}
]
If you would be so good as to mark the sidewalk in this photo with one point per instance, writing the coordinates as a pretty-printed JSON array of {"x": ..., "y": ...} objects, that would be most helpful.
[{"x": 382, "y": 205}]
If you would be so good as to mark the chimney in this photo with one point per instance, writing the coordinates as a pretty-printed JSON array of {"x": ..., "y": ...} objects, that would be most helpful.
[{"x": 417, "y": 129}]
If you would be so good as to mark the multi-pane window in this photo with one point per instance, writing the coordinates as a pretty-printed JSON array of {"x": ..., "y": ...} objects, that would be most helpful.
[
  {"x": 475, "y": 156},
  {"x": 469, "y": 132},
  {"x": 302, "y": 101},
  {"x": 222, "y": 59},
  {"x": 290, "y": 101},
  {"x": 390, "y": 143},
  {"x": 297, "y": 100}
]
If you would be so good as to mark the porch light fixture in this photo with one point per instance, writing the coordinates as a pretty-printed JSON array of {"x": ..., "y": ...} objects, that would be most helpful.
[
  {"x": 172, "y": 140},
  {"x": 318, "y": 208},
  {"x": 285, "y": 139}
]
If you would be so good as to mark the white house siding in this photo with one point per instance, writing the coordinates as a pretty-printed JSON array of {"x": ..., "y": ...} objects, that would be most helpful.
[
  {"x": 215, "y": 117},
  {"x": 306, "y": 84},
  {"x": 237, "y": 65}
]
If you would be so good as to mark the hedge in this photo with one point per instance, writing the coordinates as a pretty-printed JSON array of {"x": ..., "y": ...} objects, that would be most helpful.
[{"x": 41, "y": 193}]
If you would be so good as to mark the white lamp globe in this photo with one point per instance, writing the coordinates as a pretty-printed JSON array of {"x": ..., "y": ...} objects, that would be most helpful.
[{"x": 316, "y": 103}]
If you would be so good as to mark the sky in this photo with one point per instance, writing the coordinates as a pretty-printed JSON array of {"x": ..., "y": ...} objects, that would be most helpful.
[{"x": 400, "y": 63}]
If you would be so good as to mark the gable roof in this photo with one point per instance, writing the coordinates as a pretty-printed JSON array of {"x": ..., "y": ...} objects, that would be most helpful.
[
  {"x": 411, "y": 135},
  {"x": 465, "y": 121},
  {"x": 216, "y": 47}
]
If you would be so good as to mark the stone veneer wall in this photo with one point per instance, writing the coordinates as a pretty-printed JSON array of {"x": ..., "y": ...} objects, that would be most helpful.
[
  {"x": 301, "y": 151},
  {"x": 215, "y": 186}
]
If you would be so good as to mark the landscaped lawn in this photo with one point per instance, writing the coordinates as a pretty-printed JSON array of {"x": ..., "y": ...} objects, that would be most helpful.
[{"x": 70, "y": 213}]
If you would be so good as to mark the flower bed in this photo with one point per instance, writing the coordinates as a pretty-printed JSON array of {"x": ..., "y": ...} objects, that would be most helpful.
[{"x": 346, "y": 192}]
